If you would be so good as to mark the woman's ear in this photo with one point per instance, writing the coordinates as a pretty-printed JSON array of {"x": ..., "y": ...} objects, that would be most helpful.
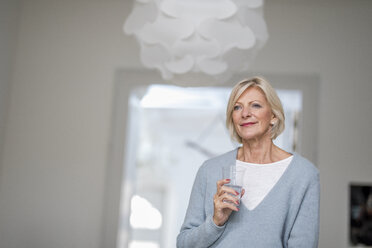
[{"x": 273, "y": 120}]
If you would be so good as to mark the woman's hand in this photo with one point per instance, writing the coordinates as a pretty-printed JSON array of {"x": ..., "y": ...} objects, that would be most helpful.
[{"x": 225, "y": 201}]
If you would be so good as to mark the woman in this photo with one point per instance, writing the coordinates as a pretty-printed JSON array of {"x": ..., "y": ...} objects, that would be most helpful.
[{"x": 280, "y": 201}]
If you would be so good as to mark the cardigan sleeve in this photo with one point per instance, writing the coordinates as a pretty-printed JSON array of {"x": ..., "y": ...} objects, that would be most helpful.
[
  {"x": 198, "y": 230},
  {"x": 305, "y": 231}
]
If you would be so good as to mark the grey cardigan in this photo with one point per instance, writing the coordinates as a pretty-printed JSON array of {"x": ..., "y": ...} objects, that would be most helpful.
[{"x": 287, "y": 217}]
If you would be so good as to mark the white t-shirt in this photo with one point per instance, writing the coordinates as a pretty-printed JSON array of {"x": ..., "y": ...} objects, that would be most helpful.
[{"x": 259, "y": 179}]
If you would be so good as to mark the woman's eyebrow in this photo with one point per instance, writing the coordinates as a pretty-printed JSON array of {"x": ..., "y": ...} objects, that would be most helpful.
[{"x": 249, "y": 102}]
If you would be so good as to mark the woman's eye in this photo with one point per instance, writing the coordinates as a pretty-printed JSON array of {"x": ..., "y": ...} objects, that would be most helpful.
[
  {"x": 237, "y": 107},
  {"x": 256, "y": 105}
]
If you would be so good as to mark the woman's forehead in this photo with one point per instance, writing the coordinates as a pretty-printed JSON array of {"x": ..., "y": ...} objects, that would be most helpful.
[{"x": 252, "y": 94}]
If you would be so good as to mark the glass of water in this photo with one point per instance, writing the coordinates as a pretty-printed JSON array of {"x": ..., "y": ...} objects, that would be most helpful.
[{"x": 236, "y": 176}]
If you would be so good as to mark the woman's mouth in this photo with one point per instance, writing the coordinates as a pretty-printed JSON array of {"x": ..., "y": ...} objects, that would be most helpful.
[{"x": 247, "y": 124}]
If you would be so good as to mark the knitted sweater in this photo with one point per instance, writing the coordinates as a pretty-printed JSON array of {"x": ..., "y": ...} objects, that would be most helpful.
[{"x": 288, "y": 216}]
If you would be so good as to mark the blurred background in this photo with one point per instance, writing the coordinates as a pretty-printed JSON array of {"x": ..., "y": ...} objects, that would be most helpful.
[{"x": 92, "y": 156}]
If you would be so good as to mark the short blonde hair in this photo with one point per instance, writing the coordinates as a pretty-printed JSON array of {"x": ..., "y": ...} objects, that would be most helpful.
[{"x": 271, "y": 97}]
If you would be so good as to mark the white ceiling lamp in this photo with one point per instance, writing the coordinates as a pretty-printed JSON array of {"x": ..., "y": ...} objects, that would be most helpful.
[{"x": 197, "y": 41}]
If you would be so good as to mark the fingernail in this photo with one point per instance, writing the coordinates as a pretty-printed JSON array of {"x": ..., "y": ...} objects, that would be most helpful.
[
  {"x": 236, "y": 193},
  {"x": 228, "y": 180}
]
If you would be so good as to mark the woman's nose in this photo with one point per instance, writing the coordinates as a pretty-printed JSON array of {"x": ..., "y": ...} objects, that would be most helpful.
[{"x": 246, "y": 112}]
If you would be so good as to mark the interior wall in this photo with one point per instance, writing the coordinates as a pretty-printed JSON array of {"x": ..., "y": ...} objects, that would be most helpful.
[
  {"x": 330, "y": 38},
  {"x": 9, "y": 15},
  {"x": 55, "y": 151},
  {"x": 57, "y": 144}
]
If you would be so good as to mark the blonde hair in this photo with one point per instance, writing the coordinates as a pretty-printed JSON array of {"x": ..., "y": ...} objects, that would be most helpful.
[{"x": 271, "y": 97}]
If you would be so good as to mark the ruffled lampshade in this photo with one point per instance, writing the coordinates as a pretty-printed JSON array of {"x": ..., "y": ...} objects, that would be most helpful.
[{"x": 197, "y": 41}]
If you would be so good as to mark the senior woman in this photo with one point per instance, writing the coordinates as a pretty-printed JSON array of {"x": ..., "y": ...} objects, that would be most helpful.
[{"x": 280, "y": 200}]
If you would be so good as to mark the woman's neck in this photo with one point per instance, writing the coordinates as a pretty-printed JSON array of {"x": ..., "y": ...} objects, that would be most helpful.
[{"x": 260, "y": 152}]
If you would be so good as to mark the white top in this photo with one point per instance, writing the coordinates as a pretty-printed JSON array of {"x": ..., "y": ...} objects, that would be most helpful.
[{"x": 259, "y": 179}]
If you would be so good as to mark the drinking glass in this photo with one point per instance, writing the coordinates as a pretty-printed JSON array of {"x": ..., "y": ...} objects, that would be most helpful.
[{"x": 236, "y": 176}]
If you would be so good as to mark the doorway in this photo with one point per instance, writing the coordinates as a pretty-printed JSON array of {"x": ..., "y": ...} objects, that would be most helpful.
[{"x": 172, "y": 130}]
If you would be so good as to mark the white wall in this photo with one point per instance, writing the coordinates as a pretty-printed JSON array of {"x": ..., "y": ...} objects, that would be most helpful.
[
  {"x": 332, "y": 39},
  {"x": 9, "y": 16},
  {"x": 55, "y": 151},
  {"x": 56, "y": 146}
]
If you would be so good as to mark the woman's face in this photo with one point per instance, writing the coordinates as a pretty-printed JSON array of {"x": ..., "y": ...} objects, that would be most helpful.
[{"x": 252, "y": 115}]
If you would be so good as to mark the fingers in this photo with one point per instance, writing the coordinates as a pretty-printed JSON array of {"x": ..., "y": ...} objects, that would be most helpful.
[
  {"x": 227, "y": 196},
  {"x": 222, "y": 188},
  {"x": 229, "y": 191},
  {"x": 228, "y": 202},
  {"x": 220, "y": 183},
  {"x": 231, "y": 206},
  {"x": 226, "y": 199}
]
